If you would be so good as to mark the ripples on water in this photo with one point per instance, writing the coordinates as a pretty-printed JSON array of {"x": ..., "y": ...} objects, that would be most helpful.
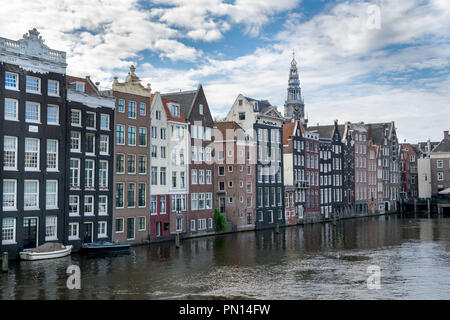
[{"x": 311, "y": 262}]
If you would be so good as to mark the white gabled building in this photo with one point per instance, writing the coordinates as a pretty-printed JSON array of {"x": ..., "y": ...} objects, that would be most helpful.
[{"x": 169, "y": 168}]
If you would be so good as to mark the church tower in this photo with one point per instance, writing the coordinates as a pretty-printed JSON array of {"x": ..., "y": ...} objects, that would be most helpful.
[{"x": 294, "y": 108}]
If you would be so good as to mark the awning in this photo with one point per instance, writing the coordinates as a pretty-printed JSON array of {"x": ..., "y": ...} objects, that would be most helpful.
[{"x": 445, "y": 191}]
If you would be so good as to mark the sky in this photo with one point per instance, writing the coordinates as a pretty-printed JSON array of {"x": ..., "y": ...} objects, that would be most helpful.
[{"x": 370, "y": 61}]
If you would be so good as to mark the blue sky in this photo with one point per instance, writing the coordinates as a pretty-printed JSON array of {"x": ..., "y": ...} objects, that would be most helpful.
[{"x": 355, "y": 64}]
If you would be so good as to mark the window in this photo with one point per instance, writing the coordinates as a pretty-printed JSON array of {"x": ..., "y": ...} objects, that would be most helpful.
[
  {"x": 74, "y": 173},
  {"x": 104, "y": 144},
  {"x": 74, "y": 202},
  {"x": 51, "y": 194},
  {"x": 194, "y": 201},
  {"x": 89, "y": 205},
  {"x": 200, "y": 109},
  {"x": 175, "y": 110},
  {"x": 31, "y": 194},
  {"x": 163, "y": 152},
  {"x": 440, "y": 164},
  {"x": 154, "y": 176},
  {"x": 121, "y": 105},
  {"x": 210, "y": 223},
  {"x": 52, "y": 114},
  {"x": 201, "y": 224},
  {"x": 141, "y": 195},
  {"x": 162, "y": 176},
  {"x": 209, "y": 200},
  {"x": 131, "y": 195},
  {"x": 33, "y": 84},
  {"x": 153, "y": 208},
  {"x": 32, "y": 112},
  {"x": 10, "y": 153},
  {"x": 119, "y": 195},
  {"x": 31, "y": 154},
  {"x": 163, "y": 133},
  {"x": 53, "y": 88},
  {"x": 52, "y": 155},
  {"x": 174, "y": 179},
  {"x": 9, "y": 195},
  {"x": 89, "y": 174},
  {"x": 51, "y": 223},
  {"x": 440, "y": 176},
  {"x": 103, "y": 205},
  {"x": 120, "y": 134},
  {"x": 130, "y": 228},
  {"x": 194, "y": 176},
  {"x": 141, "y": 221},
  {"x": 182, "y": 179},
  {"x": 120, "y": 163},
  {"x": 194, "y": 153},
  {"x": 74, "y": 231},
  {"x": 142, "y": 164},
  {"x": 75, "y": 117},
  {"x": 143, "y": 137},
  {"x": 11, "y": 112},
  {"x": 11, "y": 81},
  {"x": 131, "y": 163},
  {"x": 119, "y": 225},
  {"x": 103, "y": 174},
  {"x": 201, "y": 201},
  {"x": 102, "y": 233},
  {"x": 104, "y": 121},
  {"x": 179, "y": 226},
  {"x": 131, "y": 109},
  {"x": 79, "y": 86},
  {"x": 208, "y": 177},
  {"x": 90, "y": 143},
  {"x": 193, "y": 225},
  {"x": 142, "y": 109},
  {"x": 131, "y": 136},
  {"x": 201, "y": 176},
  {"x": 158, "y": 115},
  {"x": 90, "y": 120},
  {"x": 8, "y": 231},
  {"x": 241, "y": 116}
]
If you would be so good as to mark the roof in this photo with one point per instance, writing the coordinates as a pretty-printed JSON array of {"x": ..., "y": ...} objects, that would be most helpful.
[
  {"x": 288, "y": 131},
  {"x": 170, "y": 117},
  {"x": 376, "y": 131},
  {"x": 184, "y": 98},
  {"x": 444, "y": 146},
  {"x": 328, "y": 131},
  {"x": 89, "y": 87},
  {"x": 262, "y": 104}
]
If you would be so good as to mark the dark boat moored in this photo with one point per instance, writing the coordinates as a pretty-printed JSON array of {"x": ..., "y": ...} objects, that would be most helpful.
[{"x": 104, "y": 247}]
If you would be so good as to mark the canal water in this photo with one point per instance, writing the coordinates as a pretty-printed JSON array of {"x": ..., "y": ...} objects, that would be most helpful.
[{"x": 319, "y": 261}]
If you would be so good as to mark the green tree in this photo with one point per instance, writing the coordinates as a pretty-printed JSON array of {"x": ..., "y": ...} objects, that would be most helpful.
[{"x": 221, "y": 223}]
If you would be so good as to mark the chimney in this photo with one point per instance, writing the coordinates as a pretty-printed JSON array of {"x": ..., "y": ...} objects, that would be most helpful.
[{"x": 446, "y": 134}]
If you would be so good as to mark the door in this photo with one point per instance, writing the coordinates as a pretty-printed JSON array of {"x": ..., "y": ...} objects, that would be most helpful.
[
  {"x": 222, "y": 204},
  {"x": 88, "y": 232},
  {"x": 30, "y": 233},
  {"x": 130, "y": 229}
]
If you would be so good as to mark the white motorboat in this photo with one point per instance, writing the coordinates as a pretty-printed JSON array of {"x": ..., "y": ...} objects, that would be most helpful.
[{"x": 48, "y": 250}]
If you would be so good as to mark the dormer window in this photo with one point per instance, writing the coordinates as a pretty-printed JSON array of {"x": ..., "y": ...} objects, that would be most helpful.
[
  {"x": 79, "y": 86},
  {"x": 255, "y": 106},
  {"x": 200, "y": 108},
  {"x": 240, "y": 102},
  {"x": 175, "y": 110}
]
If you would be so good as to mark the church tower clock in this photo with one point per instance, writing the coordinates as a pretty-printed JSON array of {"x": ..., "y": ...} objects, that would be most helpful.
[{"x": 294, "y": 108}]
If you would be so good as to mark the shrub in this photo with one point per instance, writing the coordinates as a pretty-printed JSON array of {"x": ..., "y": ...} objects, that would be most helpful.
[{"x": 221, "y": 223}]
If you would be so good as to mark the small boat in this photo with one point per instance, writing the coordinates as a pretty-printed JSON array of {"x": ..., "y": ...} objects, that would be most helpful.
[
  {"x": 104, "y": 247},
  {"x": 49, "y": 250}
]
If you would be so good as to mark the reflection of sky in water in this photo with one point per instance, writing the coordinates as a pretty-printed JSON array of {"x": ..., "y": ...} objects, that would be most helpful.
[{"x": 309, "y": 262}]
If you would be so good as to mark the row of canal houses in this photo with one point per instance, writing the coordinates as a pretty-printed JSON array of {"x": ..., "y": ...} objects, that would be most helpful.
[{"x": 83, "y": 164}]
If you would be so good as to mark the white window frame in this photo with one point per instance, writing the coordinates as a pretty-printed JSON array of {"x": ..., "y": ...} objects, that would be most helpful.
[
  {"x": 89, "y": 175},
  {"x": 104, "y": 143},
  {"x": 15, "y": 153},
  {"x": 88, "y": 213},
  {"x": 77, "y": 185},
  {"x": 38, "y": 121},
  {"x": 145, "y": 223},
  {"x": 38, "y": 155},
  {"x": 13, "y": 240},
  {"x": 16, "y": 87},
  {"x": 57, "y": 156},
  {"x": 38, "y": 91},
  {"x": 13, "y": 208},
  {"x": 79, "y": 118},
  {"x": 77, "y": 213},
  {"x": 105, "y": 233},
  {"x": 71, "y": 235},
  {"x": 16, "y": 103},
  {"x": 57, "y": 88},
  {"x": 103, "y": 212},
  {"x": 55, "y": 205},
  {"x": 95, "y": 120},
  {"x": 36, "y": 207},
  {"x": 107, "y": 128}
]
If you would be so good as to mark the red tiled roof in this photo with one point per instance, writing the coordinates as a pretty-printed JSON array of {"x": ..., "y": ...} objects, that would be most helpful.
[
  {"x": 168, "y": 113},
  {"x": 288, "y": 131}
]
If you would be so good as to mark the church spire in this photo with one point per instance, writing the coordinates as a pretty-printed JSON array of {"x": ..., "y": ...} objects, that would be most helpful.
[{"x": 294, "y": 107}]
